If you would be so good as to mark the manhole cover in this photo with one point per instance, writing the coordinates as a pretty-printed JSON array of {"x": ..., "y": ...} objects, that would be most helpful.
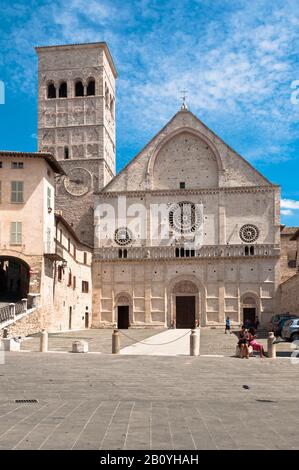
[
  {"x": 27, "y": 401},
  {"x": 266, "y": 401}
]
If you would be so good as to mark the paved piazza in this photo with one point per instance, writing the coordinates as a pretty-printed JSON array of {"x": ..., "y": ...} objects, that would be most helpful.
[{"x": 100, "y": 401}]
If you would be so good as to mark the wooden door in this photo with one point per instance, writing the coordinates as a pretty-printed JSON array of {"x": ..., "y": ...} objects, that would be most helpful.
[
  {"x": 249, "y": 316},
  {"x": 123, "y": 317},
  {"x": 185, "y": 311}
]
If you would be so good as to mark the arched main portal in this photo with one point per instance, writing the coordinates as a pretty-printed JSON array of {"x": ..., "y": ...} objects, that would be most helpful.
[
  {"x": 249, "y": 309},
  {"x": 185, "y": 303},
  {"x": 123, "y": 311},
  {"x": 14, "y": 279}
]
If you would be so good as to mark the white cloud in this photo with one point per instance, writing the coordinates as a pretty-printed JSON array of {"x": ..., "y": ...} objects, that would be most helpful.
[
  {"x": 237, "y": 64},
  {"x": 289, "y": 204},
  {"x": 287, "y": 212}
]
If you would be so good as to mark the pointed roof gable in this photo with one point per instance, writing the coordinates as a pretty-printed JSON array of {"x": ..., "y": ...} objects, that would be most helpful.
[{"x": 233, "y": 169}]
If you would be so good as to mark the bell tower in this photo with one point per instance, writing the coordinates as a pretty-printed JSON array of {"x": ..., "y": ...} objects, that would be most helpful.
[{"x": 76, "y": 123}]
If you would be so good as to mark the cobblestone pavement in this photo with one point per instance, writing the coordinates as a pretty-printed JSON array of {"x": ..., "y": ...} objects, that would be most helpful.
[
  {"x": 94, "y": 401},
  {"x": 213, "y": 341},
  {"x": 99, "y": 340}
]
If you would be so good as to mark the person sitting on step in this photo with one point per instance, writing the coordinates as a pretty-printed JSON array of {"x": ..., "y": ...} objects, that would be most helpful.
[{"x": 253, "y": 342}]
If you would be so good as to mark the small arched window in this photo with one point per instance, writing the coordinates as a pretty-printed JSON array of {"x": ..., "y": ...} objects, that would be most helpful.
[
  {"x": 125, "y": 253},
  {"x": 91, "y": 87},
  {"x": 112, "y": 106},
  {"x": 177, "y": 252},
  {"x": 107, "y": 102},
  {"x": 63, "y": 90},
  {"x": 79, "y": 88},
  {"x": 66, "y": 153},
  {"x": 51, "y": 93}
]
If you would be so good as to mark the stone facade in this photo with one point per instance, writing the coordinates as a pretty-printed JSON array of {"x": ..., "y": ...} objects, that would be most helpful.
[
  {"x": 78, "y": 125},
  {"x": 143, "y": 265},
  {"x": 31, "y": 206},
  {"x": 289, "y": 295},
  {"x": 288, "y": 262},
  {"x": 225, "y": 272},
  {"x": 289, "y": 289},
  {"x": 46, "y": 259},
  {"x": 68, "y": 281}
]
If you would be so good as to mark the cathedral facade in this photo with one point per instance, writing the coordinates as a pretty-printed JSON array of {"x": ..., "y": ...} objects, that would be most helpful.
[{"x": 187, "y": 233}]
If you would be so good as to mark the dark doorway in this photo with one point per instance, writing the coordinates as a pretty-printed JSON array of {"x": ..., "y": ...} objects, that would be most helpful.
[
  {"x": 249, "y": 315},
  {"x": 123, "y": 317},
  {"x": 86, "y": 320},
  {"x": 14, "y": 279},
  {"x": 185, "y": 311},
  {"x": 70, "y": 317}
]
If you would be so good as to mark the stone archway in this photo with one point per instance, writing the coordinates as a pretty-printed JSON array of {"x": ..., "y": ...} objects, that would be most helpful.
[
  {"x": 123, "y": 311},
  {"x": 249, "y": 308},
  {"x": 14, "y": 279},
  {"x": 185, "y": 304},
  {"x": 172, "y": 135}
]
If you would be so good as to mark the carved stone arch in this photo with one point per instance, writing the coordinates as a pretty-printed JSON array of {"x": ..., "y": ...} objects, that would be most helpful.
[
  {"x": 250, "y": 300},
  {"x": 62, "y": 89},
  {"x": 88, "y": 81},
  {"x": 76, "y": 83},
  {"x": 165, "y": 140},
  {"x": 17, "y": 256},
  {"x": 50, "y": 86},
  {"x": 123, "y": 299},
  {"x": 186, "y": 285},
  {"x": 14, "y": 283}
]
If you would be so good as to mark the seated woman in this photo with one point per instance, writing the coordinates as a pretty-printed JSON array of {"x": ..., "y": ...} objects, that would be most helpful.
[
  {"x": 243, "y": 343},
  {"x": 253, "y": 342}
]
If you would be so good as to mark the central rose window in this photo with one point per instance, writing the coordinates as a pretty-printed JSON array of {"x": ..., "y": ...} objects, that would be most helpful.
[
  {"x": 185, "y": 217},
  {"x": 123, "y": 236}
]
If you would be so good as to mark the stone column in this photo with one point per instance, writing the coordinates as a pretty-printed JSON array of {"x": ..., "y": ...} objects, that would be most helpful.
[
  {"x": 221, "y": 300},
  {"x": 12, "y": 311},
  {"x": 44, "y": 341},
  {"x": 221, "y": 221},
  {"x": 195, "y": 342},
  {"x": 147, "y": 292},
  {"x": 271, "y": 345},
  {"x": 115, "y": 342},
  {"x": 24, "y": 302}
]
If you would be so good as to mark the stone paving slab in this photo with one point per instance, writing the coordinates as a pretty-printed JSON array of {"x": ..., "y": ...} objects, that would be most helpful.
[
  {"x": 172, "y": 342},
  {"x": 147, "y": 402},
  {"x": 213, "y": 341},
  {"x": 99, "y": 340}
]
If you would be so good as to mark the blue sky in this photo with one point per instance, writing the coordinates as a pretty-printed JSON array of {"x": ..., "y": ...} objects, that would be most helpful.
[{"x": 237, "y": 59}]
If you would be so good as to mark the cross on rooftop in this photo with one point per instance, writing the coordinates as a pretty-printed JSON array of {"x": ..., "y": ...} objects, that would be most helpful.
[{"x": 183, "y": 98}]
